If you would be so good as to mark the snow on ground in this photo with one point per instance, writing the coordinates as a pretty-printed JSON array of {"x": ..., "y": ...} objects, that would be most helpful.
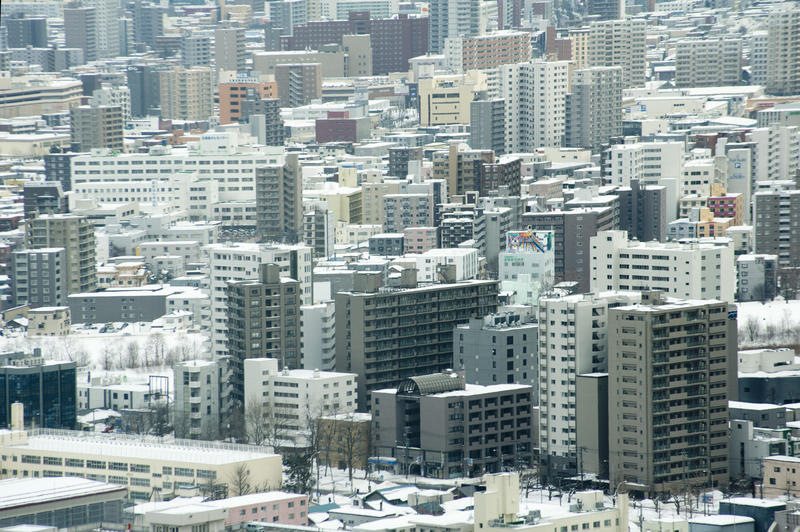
[
  {"x": 131, "y": 347},
  {"x": 772, "y": 323}
]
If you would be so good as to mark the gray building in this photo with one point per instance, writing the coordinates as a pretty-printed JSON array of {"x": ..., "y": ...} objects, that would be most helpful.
[
  {"x": 43, "y": 197},
  {"x": 263, "y": 317},
  {"x": 298, "y": 84},
  {"x": 76, "y": 235},
  {"x": 143, "y": 82},
  {"x": 264, "y": 117},
  {"x": 202, "y": 398},
  {"x": 757, "y": 277},
  {"x": 279, "y": 202},
  {"x": 230, "y": 52},
  {"x": 388, "y": 335},
  {"x": 643, "y": 211},
  {"x": 711, "y": 62},
  {"x": 776, "y": 214},
  {"x": 98, "y": 126},
  {"x": 318, "y": 231},
  {"x": 38, "y": 277},
  {"x": 399, "y": 158},
  {"x": 593, "y": 107},
  {"x": 387, "y": 244},
  {"x": 499, "y": 348},
  {"x": 763, "y": 415},
  {"x": 81, "y": 27},
  {"x": 572, "y": 231},
  {"x": 26, "y": 31},
  {"x": 437, "y": 426},
  {"x": 606, "y": 9},
  {"x": 591, "y": 393},
  {"x": 487, "y": 125},
  {"x": 144, "y": 303},
  {"x": 672, "y": 370},
  {"x": 148, "y": 23},
  {"x": 195, "y": 49}
]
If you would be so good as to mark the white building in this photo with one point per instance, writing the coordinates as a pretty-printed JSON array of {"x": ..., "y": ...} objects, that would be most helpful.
[
  {"x": 648, "y": 162},
  {"x": 709, "y": 62},
  {"x": 535, "y": 95},
  {"x": 527, "y": 266},
  {"x": 192, "y": 300},
  {"x": 696, "y": 269},
  {"x": 201, "y": 398},
  {"x": 109, "y": 95},
  {"x": 572, "y": 342},
  {"x": 290, "y": 398},
  {"x": 113, "y": 393},
  {"x": 239, "y": 262},
  {"x": 430, "y": 263},
  {"x": 318, "y": 331}
]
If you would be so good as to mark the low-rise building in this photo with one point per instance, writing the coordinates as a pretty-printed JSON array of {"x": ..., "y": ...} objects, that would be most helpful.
[
  {"x": 781, "y": 476},
  {"x": 49, "y": 321}
]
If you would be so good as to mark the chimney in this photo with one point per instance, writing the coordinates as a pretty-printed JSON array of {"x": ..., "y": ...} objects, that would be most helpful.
[{"x": 17, "y": 416}]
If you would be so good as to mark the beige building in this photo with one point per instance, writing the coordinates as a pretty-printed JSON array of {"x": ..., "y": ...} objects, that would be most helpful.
[
  {"x": 498, "y": 510},
  {"x": 783, "y": 50},
  {"x": 187, "y": 93},
  {"x": 143, "y": 465},
  {"x": 612, "y": 43},
  {"x": 34, "y": 96},
  {"x": 97, "y": 127},
  {"x": 672, "y": 370},
  {"x": 49, "y": 321},
  {"x": 708, "y": 62},
  {"x": 76, "y": 235},
  {"x": 446, "y": 99},
  {"x": 781, "y": 476}
]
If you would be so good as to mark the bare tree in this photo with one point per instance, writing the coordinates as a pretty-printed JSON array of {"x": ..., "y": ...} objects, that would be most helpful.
[
  {"x": 752, "y": 328},
  {"x": 132, "y": 355},
  {"x": 240, "y": 481},
  {"x": 255, "y": 420},
  {"x": 355, "y": 438}
]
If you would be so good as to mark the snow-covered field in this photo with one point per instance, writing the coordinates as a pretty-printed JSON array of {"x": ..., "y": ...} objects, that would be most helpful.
[
  {"x": 135, "y": 347},
  {"x": 772, "y": 323}
]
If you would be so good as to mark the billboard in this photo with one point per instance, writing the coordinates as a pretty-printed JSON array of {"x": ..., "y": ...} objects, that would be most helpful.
[{"x": 529, "y": 241}]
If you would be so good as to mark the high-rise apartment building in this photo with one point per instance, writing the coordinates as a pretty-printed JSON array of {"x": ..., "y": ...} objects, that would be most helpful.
[
  {"x": 452, "y": 18},
  {"x": 613, "y": 43},
  {"x": 195, "y": 48},
  {"x": 386, "y": 336},
  {"x": 672, "y": 370},
  {"x": 42, "y": 197},
  {"x": 148, "y": 23},
  {"x": 298, "y": 84},
  {"x": 187, "y": 93},
  {"x": 606, "y": 9},
  {"x": 318, "y": 221},
  {"x": 110, "y": 96},
  {"x": 460, "y": 167},
  {"x": 81, "y": 31},
  {"x": 534, "y": 95},
  {"x": 263, "y": 321},
  {"x": 643, "y": 211},
  {"x": 230, "y": 52},
  {"x": 98, "y": 126},
  {"x": 76, "y": 235},
  {"x": 202, "y": 398},
  {"x": 241, "y": 261},
  {"x": 279, "y": 201},
  {"x": 143, "y": 83},
  {"x": 572, "y": 342},
  {"x": 487, "y": 125},
  {"x": 698, "y": 269},
  {"x": 593, "y": 107},
  {"x": 708, "y": 62},
  {"x": 783, "y": 49},
  {"x": 491, "y": 50},
  {"x": 264, "y": 116},
  {"x": 38, "y": 277},
  {"x": 776, "y": 215}
]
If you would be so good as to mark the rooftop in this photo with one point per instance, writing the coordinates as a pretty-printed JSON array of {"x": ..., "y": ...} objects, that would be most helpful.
[{"x": 17, "y": 492}]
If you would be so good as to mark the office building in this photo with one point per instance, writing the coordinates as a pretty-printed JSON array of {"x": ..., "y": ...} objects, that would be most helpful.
[
  {"x": 692, "y": 269},
  {"x": 453, "y": 18},
  {"x": 98, "y": 126},
  {"x": 298, "y": 84},
  {"x": 230, "y": 52},
  {"x": 187, "y": 93},
  {"x": 46, "y": 389},
  {"x": 141, "y": 303},
  {"x": 140, "y": 464},
  {"x": 512, "y": 338},
  {"x": 572, "y": 342},
  {"x": 286, "y": 14},
  {"x": 606, "y": 9},
  {"x": 414, "y": 314},
  {"x": 593, "y": 107},
  {"x": 529, "y": 126},
  {"x": 143, "y": 82},
  {"x": 483, "y": 52},
  {"x": 708, "y": 62},
  {"x": 393, "y": 40},
  {"x": 279, "y": 202},
  {"x": 202, "y": 398},
  {"x": 625, "y": 162},
  {"x": 26, "y": 31},
  {"x": 76, "y": 235},
  {"x": 81, "y": 31},
  {"x": 263, "y": 320},
  {"x": 783, "y": 58},
  {"x": 527, "y": 265},
  {"x": 438, "y": 426},
  {"x": 290, "y": 399},
  {"x": 487, "y": 125},
  {"x": 38, "y": 277},
  {"x": 238, "y": 98},
  {"x": 26, "y": 97},
  {"x": 613, "y": 43},
  {"x": 447, "y": 99},
  {"x": 572, "y": 231},
  {"x": 672, "y": 370}
]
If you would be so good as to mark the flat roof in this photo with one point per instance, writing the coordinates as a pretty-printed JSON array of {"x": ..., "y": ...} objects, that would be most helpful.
[
  {"x": 741, "y": 405},
  {"x": 19, "y": 492}
]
